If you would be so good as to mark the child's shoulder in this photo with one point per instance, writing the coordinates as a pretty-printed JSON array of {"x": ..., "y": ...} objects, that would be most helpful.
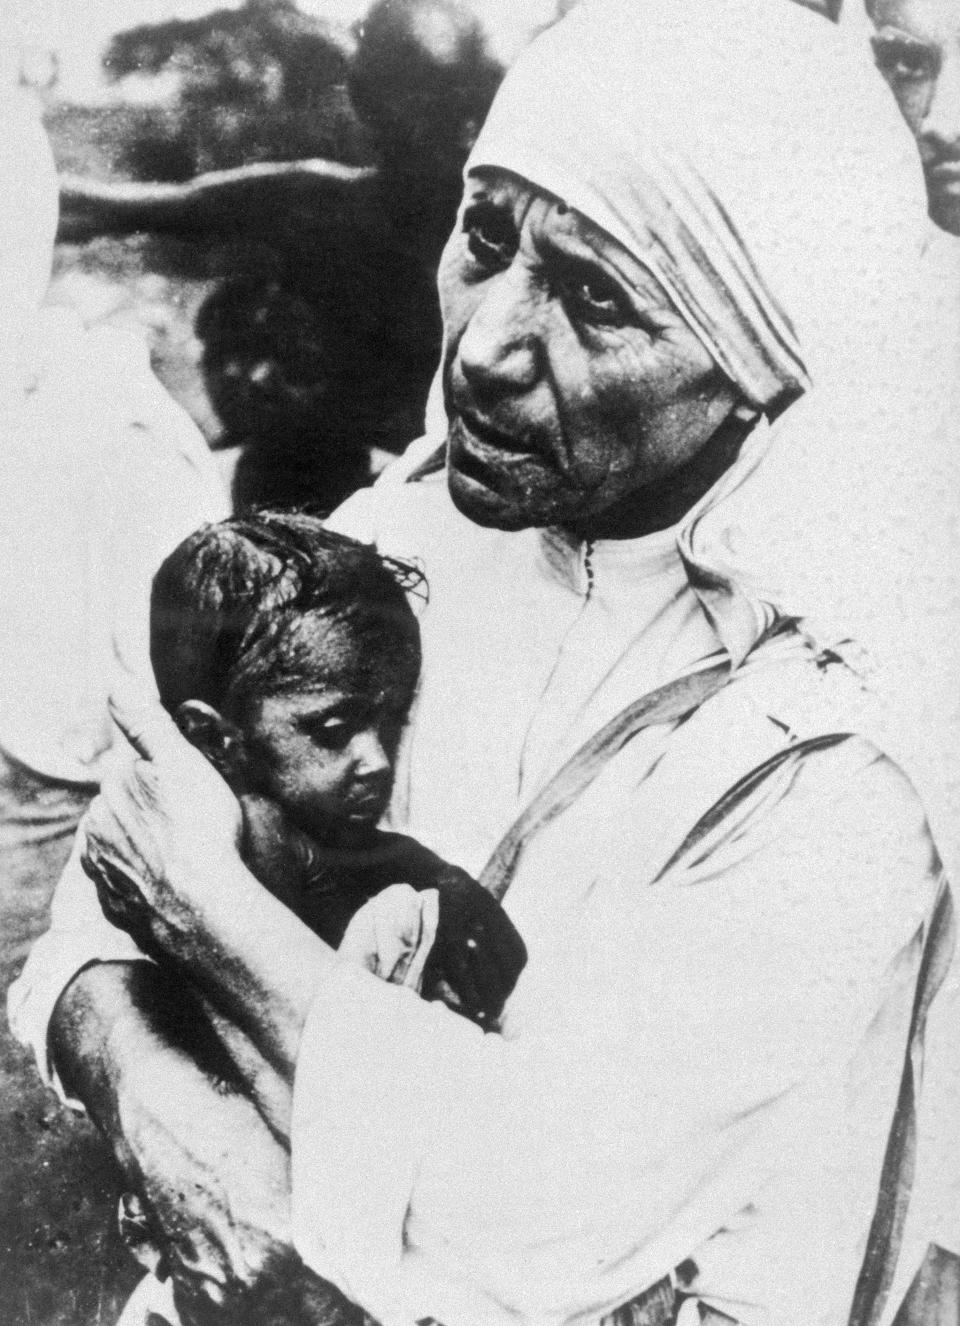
[{"x": 398, "y": 859}]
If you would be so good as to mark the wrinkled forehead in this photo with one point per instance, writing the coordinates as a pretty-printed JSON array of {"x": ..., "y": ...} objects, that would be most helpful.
[{"x": 553, "y": 221}]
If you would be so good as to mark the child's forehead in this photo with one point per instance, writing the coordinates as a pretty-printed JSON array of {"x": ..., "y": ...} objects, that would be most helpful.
[
  {"x": 314, "y": 654},
  {"x": 334, "y": 644}
]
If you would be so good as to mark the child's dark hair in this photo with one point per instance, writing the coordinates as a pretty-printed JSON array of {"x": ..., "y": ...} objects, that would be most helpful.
[{"x": 228, "y": 603}]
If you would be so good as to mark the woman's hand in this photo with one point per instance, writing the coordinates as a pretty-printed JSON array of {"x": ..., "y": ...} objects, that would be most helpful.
[
  {"x": 162, "y": 847},
  {"x": 393, "y": 933},
  {"x": 161, "y": 832}
]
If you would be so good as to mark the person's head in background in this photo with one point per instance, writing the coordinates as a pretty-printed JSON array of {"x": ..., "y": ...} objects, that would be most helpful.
[
  {"x": 28, "y": 225},
  {"x": 289, "y": 655},
  {"x": 422, "y": 80},
  {"x": 917, "y": 49}
]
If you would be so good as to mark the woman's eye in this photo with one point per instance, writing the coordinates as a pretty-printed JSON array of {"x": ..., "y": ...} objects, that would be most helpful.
[
  {"x": 595, "y": 299},
  {"x": 904, "y": 61},
  {"x": 491, "y": 237}
]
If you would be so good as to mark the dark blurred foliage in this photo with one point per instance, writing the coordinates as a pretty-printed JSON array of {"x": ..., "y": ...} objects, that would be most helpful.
[
  {"x": 320, "y": 328},
  {"x": 422, "y": 81},
  {"x": 333, "y": 352},
  {"x": 261, "y": 83}
]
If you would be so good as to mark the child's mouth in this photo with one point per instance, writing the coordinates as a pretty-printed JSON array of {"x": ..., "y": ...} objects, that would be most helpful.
[{"x": 365, "y": 807}]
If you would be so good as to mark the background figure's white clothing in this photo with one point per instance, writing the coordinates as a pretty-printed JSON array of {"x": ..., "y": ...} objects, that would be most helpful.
[
  {"x": 101, "y": 475},
  {"x": 700, "y": 1065}
]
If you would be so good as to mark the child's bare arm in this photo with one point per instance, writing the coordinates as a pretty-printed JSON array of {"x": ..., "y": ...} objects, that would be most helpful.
[{"x": 414, "y": 918}]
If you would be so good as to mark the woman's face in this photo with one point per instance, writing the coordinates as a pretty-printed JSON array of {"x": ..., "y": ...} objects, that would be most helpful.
[
  {"x": 917, "y": 49},
  {"x": 574, "y": 390}
]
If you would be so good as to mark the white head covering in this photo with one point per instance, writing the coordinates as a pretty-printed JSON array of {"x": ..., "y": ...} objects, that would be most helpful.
[{"x": 748, "y": 155}]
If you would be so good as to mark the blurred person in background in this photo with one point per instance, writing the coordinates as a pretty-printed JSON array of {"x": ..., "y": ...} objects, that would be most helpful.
[
  {"x": 917, "y": 49},
  {"x": 100, "y": 476}
]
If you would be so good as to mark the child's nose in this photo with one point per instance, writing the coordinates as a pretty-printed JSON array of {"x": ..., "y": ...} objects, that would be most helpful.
[{"x": 369, "y": 755}]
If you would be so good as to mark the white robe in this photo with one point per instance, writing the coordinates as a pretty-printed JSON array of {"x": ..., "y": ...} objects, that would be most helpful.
[
  {"x": 698, "y": 1063},
  {"x": 97, "y": 486}
]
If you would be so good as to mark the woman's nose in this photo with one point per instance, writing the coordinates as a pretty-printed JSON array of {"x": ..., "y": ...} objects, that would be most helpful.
[
  {"x": 940, "y": 128},
  {"x": 500, "y": 344}
]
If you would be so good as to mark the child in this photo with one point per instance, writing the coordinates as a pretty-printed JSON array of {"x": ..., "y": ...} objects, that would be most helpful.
[{"x": 289, "y": 655}]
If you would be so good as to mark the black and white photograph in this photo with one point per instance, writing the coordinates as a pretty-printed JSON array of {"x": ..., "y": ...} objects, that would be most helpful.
[{"x": 480, "y": 663}]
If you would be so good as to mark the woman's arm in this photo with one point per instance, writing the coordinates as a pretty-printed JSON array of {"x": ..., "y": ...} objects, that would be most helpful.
[
  {"x": 682, "y": 1056},
  {"x": 162, "y": 845},
  {"x": 214, "y": 1178},
  {"x": 239, "y": 946},
  {"x": 679, "y": 1044}
]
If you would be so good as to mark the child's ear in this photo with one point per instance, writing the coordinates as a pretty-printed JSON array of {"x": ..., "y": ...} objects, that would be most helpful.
[{"x": 212, "y": 734}]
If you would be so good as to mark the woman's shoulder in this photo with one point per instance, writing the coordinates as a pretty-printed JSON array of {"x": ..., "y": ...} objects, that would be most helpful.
[
  {"x": 807, "y": 688},
  {"x": 417, "y": 521},
  {"x": 825, "y": 764},
  {"x": 798, "y": 735}
]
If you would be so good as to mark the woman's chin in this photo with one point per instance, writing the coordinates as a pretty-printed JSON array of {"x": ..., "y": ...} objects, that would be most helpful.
[{"x": 481, "y": 504}]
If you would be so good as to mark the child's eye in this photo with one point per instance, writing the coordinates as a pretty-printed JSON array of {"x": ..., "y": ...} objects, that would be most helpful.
[{"x": 330, "y": 733}]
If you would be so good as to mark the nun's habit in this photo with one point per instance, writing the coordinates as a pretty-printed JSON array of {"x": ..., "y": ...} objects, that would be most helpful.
[{"x": 699, "y": 1068}]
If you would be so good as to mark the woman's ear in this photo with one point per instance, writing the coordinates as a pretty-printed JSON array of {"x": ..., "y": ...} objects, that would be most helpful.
[{"x": 212, "y": 734}]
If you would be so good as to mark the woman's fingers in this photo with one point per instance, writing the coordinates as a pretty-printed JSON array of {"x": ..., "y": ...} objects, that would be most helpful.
[
  {"x": 143, "y": 720},
  {"x": 110, "y": 832},
  {"x": 167, "y": 807},
  {"x": 429, "y": 904},
  {"x": 392, "y": 934}
]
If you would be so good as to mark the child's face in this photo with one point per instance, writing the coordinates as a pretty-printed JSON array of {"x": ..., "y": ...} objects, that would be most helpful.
[{"x": 325, "y": 752}]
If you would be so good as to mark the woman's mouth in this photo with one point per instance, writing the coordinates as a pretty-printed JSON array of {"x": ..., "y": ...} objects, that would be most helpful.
[
  {"x": 482, "y": 453},
  {"x": 483, "y": 437}
]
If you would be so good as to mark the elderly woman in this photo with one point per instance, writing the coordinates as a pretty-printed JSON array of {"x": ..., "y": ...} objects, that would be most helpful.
[{"x": 686, "y": 234}]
